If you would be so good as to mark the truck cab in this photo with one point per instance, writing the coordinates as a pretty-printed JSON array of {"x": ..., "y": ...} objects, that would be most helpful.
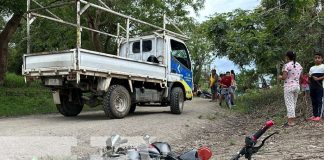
[{"x": 173, "y": 54}]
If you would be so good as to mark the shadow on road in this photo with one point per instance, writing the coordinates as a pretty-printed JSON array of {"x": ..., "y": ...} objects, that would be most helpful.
[{"x": 100, "y": 115}]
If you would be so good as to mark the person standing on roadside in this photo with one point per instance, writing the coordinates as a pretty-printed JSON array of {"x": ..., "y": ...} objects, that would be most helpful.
[
  {"x": 221, "y": 76},
  {"x": 213, "y": 82},
  {"x": 316, "y": 74},
  {"x": 233, "y": 74},
  {"x": 233, "y": 81},
  {"x": 305, "y": 86},
  {"x": 226, "y": 83},
  {"x": 291, "y": 74}
]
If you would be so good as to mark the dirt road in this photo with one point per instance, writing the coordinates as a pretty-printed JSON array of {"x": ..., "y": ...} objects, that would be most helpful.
[
  {"x": 30, "y": 135},
  {"x": 202, "y": 123}
]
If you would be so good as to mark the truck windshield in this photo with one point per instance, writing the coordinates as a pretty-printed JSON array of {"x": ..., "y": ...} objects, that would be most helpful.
[{"x": 179, "y": 52}]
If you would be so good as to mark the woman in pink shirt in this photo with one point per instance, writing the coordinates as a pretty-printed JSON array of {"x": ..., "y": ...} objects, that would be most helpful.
[{"x": 291, "y": 74}]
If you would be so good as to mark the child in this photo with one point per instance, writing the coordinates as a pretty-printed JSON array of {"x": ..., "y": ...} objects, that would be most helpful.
[
  {"x": 291, "y": 74},
  {"x": 305, "y": 86},
  {"x": 316, "y": 74}
]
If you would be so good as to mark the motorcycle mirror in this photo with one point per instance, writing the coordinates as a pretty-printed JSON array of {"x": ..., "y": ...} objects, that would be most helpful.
[
  {"x": 146, "y": 138},
  {"x": 113, "y": 140}
]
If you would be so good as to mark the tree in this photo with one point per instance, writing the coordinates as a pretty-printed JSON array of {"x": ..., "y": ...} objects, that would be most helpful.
[
  {"x": 247, "y": 79},
  {"x": 263, "y": 35},
  {"x": 200, "y": 48},
  {"x": 16, "y": 9}
]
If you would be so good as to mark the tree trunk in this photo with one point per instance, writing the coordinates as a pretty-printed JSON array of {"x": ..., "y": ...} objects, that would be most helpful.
[
  {"x": 95, "y": 37},
  {"x": 199, "y": 73},
  {"x": 5, "y": 37}
]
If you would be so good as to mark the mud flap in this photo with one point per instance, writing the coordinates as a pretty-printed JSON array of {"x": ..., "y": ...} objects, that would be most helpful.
[{"x": 56, "y": 97}]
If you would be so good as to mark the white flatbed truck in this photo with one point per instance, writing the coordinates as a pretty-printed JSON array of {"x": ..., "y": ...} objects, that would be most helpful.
[{"x": 147, "y": 69}]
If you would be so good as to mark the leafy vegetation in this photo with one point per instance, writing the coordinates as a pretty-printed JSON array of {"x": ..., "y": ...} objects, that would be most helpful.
[
  {"x": 200, "y": 48},
  {"x": 262, "y": 36}
]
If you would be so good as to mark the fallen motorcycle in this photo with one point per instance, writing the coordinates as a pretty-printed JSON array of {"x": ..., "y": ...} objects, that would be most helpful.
[
  {"x": 151, "y": 151},
  {"x": 162, "y": 150}
]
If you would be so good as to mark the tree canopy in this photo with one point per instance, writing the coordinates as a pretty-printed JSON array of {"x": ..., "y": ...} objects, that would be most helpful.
[{"x": 263, "y": 35}]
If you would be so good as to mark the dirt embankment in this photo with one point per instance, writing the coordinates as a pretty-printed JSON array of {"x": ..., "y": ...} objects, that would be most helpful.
[{"x": 226, "y": 132}]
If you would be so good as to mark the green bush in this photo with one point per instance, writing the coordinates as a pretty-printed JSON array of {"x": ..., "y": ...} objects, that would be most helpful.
[
  {"x": 18, "y": 98},
  {"x": 13, "y": 80}
]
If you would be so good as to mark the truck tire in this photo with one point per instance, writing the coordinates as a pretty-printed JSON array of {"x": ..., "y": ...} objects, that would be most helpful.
[
  {"x": 117, "y": 102},
  {"x": 132, "y": 108},
  {"x": 176, "y": 100},
  {"x": 73, "y": 107}
]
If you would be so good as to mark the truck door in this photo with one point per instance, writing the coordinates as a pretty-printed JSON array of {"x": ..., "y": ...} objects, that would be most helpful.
[{"x": 180, "y": 61}]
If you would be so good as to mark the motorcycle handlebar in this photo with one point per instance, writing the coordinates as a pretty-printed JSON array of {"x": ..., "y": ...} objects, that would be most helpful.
[{"x": 261, "y": 131}]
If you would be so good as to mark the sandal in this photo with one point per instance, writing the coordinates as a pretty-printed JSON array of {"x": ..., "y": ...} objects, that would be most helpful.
[{"x": 286, "y": 125}]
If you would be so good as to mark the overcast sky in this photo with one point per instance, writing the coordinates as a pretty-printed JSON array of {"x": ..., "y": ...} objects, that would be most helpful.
[{"x": 221, "y": 6}]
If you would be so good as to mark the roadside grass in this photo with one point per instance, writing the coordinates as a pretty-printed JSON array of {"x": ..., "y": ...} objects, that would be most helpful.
[
  {"x": 25, "y": 100},
  {"x": 18, "y": 98},
  {"x": 232, "y": 143},
  {"x": 263, "y": 103}
]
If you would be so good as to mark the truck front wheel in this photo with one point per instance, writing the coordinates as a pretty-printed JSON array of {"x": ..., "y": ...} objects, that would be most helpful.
[
  {"x": 117, "y": 102},
  {"x": 176, "y": 100},
  {"x": 71, "y": 102}
]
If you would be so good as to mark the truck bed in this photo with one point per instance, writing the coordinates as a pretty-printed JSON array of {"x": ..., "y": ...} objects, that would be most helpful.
[{"x": 89, "y": 63}]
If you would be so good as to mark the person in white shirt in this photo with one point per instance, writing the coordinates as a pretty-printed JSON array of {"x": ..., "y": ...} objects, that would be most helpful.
[{"x": 316, "y": 74}]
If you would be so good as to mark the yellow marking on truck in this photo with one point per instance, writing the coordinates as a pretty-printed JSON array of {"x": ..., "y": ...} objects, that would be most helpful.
[{"x": 187, "y": 88}]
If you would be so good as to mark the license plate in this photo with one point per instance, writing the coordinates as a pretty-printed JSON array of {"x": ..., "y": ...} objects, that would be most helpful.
[{"x": 53, "y": 82}]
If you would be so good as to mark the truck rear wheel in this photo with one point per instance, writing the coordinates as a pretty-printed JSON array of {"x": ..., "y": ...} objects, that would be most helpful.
[
  {"x": 71, "y": 102},
  {"x": 176, "y": 100},
  {"x": 117, "y": 102}
]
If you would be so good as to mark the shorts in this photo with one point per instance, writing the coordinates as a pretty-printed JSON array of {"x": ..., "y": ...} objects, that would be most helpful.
[
  {"x": 214, "y": 89},
  {"x": 227, "y": 91}
]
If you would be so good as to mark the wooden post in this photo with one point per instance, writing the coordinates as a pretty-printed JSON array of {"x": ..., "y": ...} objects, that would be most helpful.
[
  {"x": 78, "y": 44},
  {"x": 28, "y": 27},
  {"x": 127, "y": 37},
  {"x": 278, "y": 73}
]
